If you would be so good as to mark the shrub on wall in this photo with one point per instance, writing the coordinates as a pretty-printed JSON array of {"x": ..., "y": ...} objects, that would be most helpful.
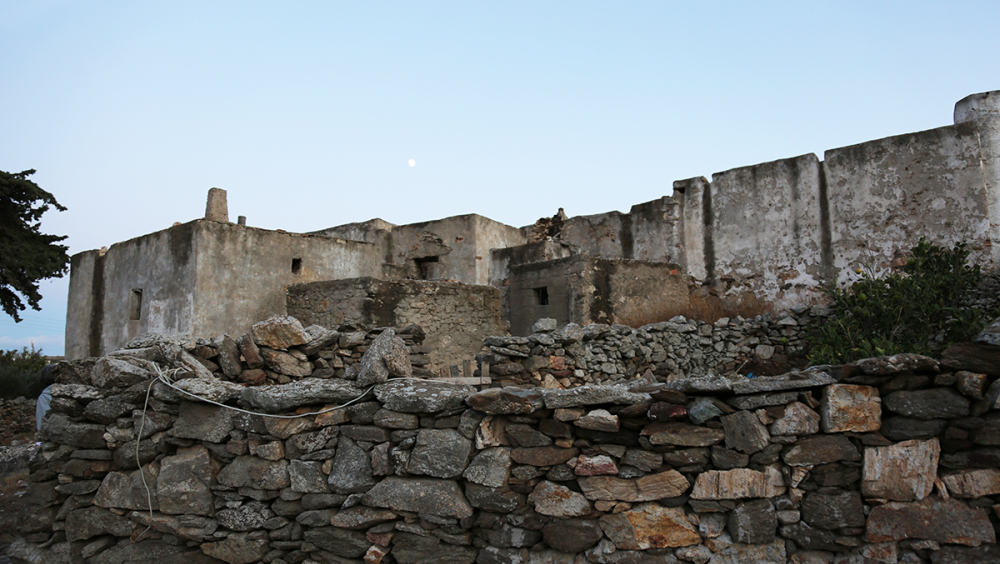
[
  {"x": 19, "y": 373},
  {"x": 918, "y": 310}
]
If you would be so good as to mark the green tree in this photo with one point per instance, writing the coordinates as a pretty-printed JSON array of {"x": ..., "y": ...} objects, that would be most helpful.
[{"x": 26, "y": 254}]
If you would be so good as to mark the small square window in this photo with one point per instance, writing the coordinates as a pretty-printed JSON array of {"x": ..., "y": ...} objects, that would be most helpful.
[
  {"x": 296, "y": 266},
  {"x": 428, "y": 268},
  {"x": 135, "y": 304},
  {"x": 541, "y": 296}
]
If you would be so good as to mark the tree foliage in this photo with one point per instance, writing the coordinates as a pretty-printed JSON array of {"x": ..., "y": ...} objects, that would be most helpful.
[
  {"x": 26, "y": 254},
  {"x": 920, "y": 310},
  {"x": 19, "y": 373}
]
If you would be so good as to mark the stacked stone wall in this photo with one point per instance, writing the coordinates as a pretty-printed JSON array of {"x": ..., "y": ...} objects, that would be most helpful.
[
  {"x": 888, "y": 460},
  {"x": 679, "y": 348}
]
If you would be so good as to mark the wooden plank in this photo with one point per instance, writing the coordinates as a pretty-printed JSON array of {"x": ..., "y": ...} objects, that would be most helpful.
[{"x": 467, "y": 368}]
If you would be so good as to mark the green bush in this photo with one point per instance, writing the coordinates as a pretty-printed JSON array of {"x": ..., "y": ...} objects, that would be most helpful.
[
  {"x": 19, "y": 373},
  {"x": 919, "y": 310}
]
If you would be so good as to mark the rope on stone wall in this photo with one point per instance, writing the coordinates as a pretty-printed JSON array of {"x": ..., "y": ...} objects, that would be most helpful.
[{"x": 164, "y": 376}]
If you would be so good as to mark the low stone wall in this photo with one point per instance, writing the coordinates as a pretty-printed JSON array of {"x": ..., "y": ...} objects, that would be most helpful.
[
  {"x": 888, "y": 460},
  {"x": 679, "y": 348}
]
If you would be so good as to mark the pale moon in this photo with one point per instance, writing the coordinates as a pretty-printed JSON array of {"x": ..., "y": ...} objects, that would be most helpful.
[{"x": 412, "y": 163}]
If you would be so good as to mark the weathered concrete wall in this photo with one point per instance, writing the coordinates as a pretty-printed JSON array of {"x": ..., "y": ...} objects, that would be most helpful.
[
  {"x": 492, "y": 235},
  {"x": 375, "y": 231},
  {"x": 562, "y": 281},
  {"x": 583, "y": 289},
  {"x": 80, "y": 320},
  {"x": 162, "y": 266},
  {"x": 243, "y": 271},
  {"x": 456, "y": 317},
  {"x": 201, "y": 277},
  {"x": 605, "y": 235},
  {"x": 766, "y": 226},
  {"x": 656, "y": 231}
]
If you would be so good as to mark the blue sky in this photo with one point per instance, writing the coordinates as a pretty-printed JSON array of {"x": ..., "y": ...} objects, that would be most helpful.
[{"x": 307, "y": 112}]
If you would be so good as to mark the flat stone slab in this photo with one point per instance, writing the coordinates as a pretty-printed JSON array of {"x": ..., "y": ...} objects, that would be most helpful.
[
  {"x": 935, "y": 403},
  {"x": 558, "y": 501},
  {"x": 507, "y": 401},
  {"x": 701, "y": 385},
  {"x": 682, "y": 434},
  {"x": 973, "y": 483},
  {"x": 821, "y": 449},
  {"x": 738, "y": 483},
  {"x": 648, "y": 488},
  {"x": 420, "y": 495},
  {"x": 309, "y": 391},
  {"x": 422, "y": 396},
  {"x": 593, "y": 395},
  {"x": 649, "y": 526},
  {"x": 940, "y": 520},
  {"x": 790, "y": 381},
  {"x": 905, "y": 362}
]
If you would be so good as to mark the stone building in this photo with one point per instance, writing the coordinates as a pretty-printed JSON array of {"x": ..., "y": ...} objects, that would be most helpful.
[{"x": 770, "y": 235}]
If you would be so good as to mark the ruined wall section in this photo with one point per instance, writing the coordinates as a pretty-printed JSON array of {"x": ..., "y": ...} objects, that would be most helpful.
[
  {"x": 456, "y": 317},
  {"x": 583, "y": 289},
  {"x": 656, "y": 231}
]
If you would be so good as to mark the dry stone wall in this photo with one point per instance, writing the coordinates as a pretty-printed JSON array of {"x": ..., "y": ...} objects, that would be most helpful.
[
  {"x": 679, "y": 348},
  {"x": 891, "y": 460}
]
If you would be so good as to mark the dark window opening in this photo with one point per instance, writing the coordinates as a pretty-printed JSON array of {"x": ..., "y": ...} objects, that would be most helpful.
[
  {"x": 135, "y": 305},
  {"x": 428, "y": 268},
  {"x": 541, "y": 295},
  {"x": 296, "y": 266}
]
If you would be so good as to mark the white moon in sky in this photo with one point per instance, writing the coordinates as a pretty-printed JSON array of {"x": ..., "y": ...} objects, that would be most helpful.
[{"x": 412, "y": 163}]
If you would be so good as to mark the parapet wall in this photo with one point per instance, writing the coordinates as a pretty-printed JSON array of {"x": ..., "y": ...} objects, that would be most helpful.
[{"x": 889, "y": 460}]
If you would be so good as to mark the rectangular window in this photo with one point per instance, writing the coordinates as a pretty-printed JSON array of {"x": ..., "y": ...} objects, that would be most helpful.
[
  {"x": 135, "y": 304},
  {"x": 296, "y": 266},
  {"x": 428, "y": 268},
  {"x": 541, "y": 296}
]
